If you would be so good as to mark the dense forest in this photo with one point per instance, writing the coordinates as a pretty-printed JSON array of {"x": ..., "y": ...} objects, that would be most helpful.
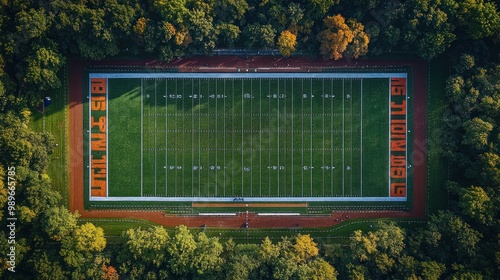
[{"x": 37, "y": 38}]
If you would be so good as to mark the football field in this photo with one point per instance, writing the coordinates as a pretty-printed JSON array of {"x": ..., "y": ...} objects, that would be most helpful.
[{"x": 252, "y": 136}]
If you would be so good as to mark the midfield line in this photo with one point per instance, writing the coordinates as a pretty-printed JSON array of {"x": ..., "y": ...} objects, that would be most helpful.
[{"x": 183, "y": 185}]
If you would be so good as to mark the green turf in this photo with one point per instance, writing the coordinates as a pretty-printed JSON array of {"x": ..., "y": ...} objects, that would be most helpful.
[
  {"x": 437, "y": 166},
  {"x": 248, "y": 138},
  {"x": 53, "y": 119}
]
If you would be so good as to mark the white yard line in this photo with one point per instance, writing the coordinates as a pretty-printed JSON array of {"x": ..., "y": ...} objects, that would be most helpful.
[
  {"x": 323, "y": 151},
  {"x": 155, "y": 132},
  {"x": 232, "y": 144},
  {"x": 343, "y": 136},
  {"x": 278, "y": 132},
  {"x": 242, "y": 139},
  {"x": 302, "y": 138},
  {"x": 224, "y": 119},
  {"x": 208, "y": 138},
  {"x": 192, "y": 139},
  {"x": 216, "y": 138},
  {"x": 361, "y": 140},
  {"x": 199, "y": 138},
  {"x": 251, "y": 137},
  {"x": 311, "y": 138},
  {"x": 352, "y": 116},
  {"x": 166, "y": 137},
  {"x": 332, "y": 144},
  {"x": 293, "y": 151},
  {"x": 142, "y": 136},
  {"x": 260, "y": 136}
]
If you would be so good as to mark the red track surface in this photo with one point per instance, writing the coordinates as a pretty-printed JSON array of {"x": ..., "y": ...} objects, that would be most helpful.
[{"x": 232, "y": 64}]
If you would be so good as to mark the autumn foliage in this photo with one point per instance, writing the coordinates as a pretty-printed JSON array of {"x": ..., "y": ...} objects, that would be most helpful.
[
  {"x": 287, "y": 43},
  {"x": 341, "y": 38}
]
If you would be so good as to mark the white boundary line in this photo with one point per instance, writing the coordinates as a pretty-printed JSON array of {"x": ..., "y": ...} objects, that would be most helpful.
[
  {"x": 251, "y": 199},
  {"x": 389, "y": 142},
  {"x": 252, "y": 75},
  {"x": 247, "y": 75},
  {"x": 278, "y": 132},
  {"x": 90, "y": 138}
]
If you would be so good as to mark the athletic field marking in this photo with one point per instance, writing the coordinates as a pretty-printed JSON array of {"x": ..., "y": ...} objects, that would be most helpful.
[
  {"x": 253, "y": 75},
  {"x": 361, "y": 139},
  {"x": 389, "y": 131},
  {"x": 153, "y": 121},
  {"x": 252, "y": 199},
  {"x": 142, "y": 136},
  {"x": 343, "y": 136}
]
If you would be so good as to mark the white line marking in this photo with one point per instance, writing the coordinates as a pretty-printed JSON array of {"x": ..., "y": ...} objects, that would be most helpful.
[
  {"x": 142, "y": 136},
  {"x": 252, "y": 75},
  {"x": 389, "y": 142},
  {"x": 361, "y": 140},
  {"x": 343, "y": 136}
]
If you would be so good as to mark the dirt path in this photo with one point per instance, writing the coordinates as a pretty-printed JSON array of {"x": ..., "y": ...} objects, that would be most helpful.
[{"x": 232, "y": 64}]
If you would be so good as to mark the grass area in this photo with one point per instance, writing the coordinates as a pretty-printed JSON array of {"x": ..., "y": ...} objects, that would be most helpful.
[
  {"x": 437, "y": 166},
  {"x": 260, "y": 138},
  {"x": 113, "y": 229},
  {"x": 54, "y": 120}
]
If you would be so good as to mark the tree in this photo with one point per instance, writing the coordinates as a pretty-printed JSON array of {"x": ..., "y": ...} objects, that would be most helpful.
[
  {"x": 317, "y": 269},
  {"x": 256, "y": 36},
  {"x": 206, "y": 258},
  {"x": 287, "y": 43},
  {"x": 77, "y": 249},
  {"x": 429, "y": 26},
  {"x": 480, "y": 18},
  {"x": 228, "y": 34},
  {"x": 476, "y": 133},
  {"x": 230, "y": 11},
  {"x": 58, "y": 222},
  {"x": 180, "y": 249},
  {"x": 476, "y": 204},
  {"x": 342, "y": 39}
]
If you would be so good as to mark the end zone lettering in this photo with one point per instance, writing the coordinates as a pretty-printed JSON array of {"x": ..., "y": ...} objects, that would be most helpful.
[
  {"x": 98, "y": 137},
  {"x": 398, "y": 138}
]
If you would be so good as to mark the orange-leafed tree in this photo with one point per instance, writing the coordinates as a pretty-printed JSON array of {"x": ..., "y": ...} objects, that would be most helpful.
[
  {"x": 341, "y": 38},
  {"x": 287, "y": 43}
]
